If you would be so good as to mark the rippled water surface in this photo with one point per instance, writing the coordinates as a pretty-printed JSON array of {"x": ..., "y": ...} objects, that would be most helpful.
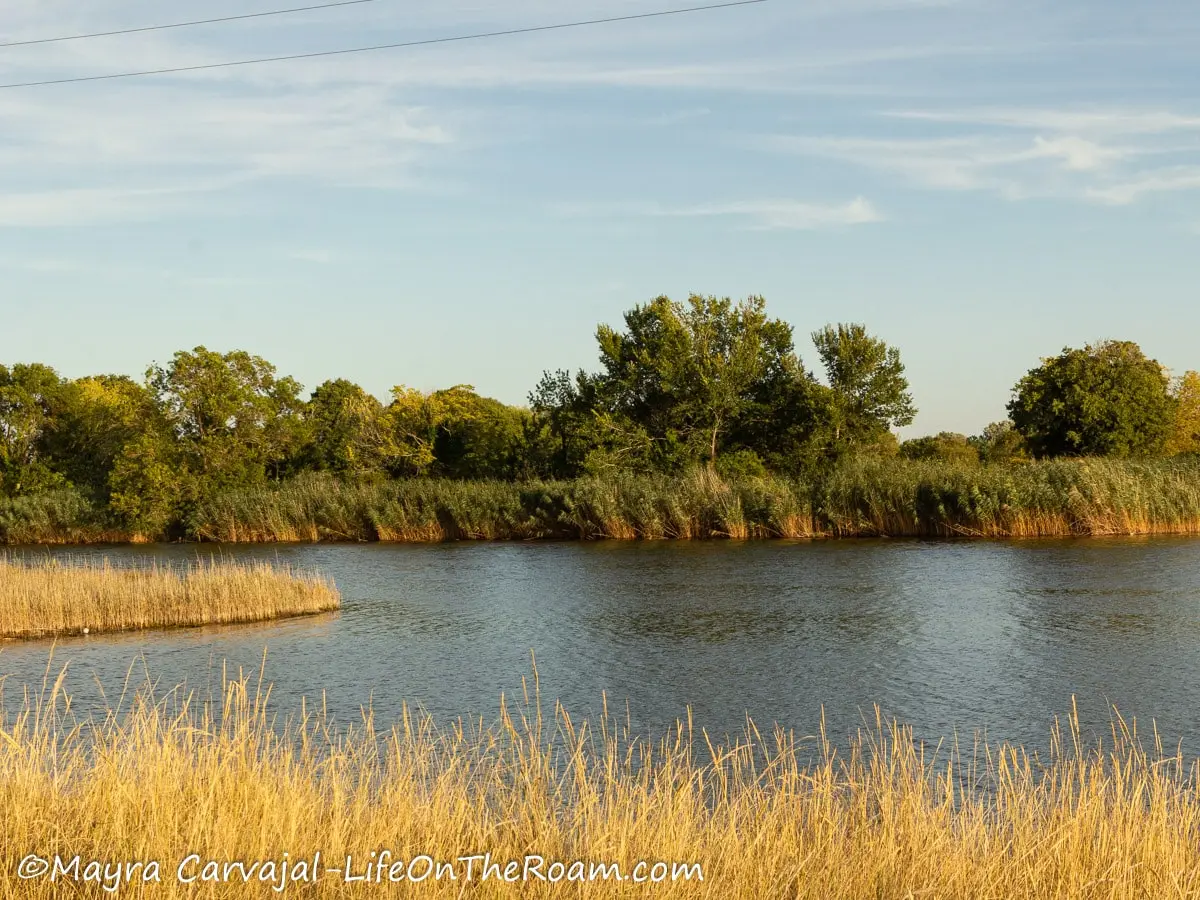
[{"x": 994, "y": 636}]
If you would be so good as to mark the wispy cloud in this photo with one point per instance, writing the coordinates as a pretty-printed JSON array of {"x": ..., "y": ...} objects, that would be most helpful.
[
  {"x": 89, "y": 206},
  {"x": 1108, "y": 156},
  {"x": 1179, "y": 178},
  {"x": 1120, "y": 122},
  {"x": 765, "y": 215},
  {"x": 785, "y": 214},
  {"x": 41, "y": 265},
  {"x": 155, "y": 151}
]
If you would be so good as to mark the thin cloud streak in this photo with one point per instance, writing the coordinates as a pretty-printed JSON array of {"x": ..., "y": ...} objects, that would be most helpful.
[
  {"x": 93, "y": 206},
  {"x": 765, "y": 215}
]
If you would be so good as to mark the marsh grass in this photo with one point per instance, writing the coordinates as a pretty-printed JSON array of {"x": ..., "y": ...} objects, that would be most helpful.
[
  {"x": 51, "y": 598},
  {"x": 62, "y": 516},
  {"x": 865, "y": 498},
  {"x": 1057, "y": 498},
  {"x": 766, "y": 816},
  {"x": 858, "y": 498}
]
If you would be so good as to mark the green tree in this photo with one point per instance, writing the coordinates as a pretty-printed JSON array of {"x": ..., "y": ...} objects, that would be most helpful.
[
  {"x": 560, "y": 415},
  {"x": 236, "y": 422},
  {"x": 485, "y": 442},
  {"x": 574, "y": 430},
  {"x": 788, "y": 426},
  {"x": 414, "y": 421},
  {"x": 689, "y": 374},
  {"x": 869, "y": 393},
  {"x": 346, "y": 430},
  {"x": 1185, "y": 431},
  {"x": 28, "y": 394},
  {"x": 1107, "y": 399},
  {"x": 149, "y": 486},
  {"x": 92, "y": 420},
  {"x": 947, "y": 446},
  {"x": 999, "y": 442}
]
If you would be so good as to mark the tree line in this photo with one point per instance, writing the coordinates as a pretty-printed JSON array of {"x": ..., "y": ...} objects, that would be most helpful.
[{"x": 704, "y": 383}]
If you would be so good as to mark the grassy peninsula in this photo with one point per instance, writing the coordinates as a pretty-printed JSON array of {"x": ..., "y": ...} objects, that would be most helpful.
[
  {"x": 49, "y": 598},
  {"x": 185, "y": 782}
]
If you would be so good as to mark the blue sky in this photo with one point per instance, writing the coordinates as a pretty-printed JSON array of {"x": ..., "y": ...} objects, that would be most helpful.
[{"x": 980, "y": 182}]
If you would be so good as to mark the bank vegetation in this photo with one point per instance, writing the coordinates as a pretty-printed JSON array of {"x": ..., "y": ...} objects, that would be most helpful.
[
  {"x": 860, "y": 498},
  {"x": 701, "y": 421}
]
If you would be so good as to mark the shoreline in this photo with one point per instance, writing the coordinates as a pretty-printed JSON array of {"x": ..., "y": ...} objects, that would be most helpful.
[
  {"x": 934, "y": 537},
  {"x": 867, "y": 498}
]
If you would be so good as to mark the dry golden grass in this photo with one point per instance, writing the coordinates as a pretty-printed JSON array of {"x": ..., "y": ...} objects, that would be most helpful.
[
  {"x": 888, "y": 819},
  {"x": 51, "y": 598}
]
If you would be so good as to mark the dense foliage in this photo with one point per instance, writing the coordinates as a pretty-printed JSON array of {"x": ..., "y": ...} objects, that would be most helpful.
[
  {"x": 707, "y": 385},
  {"x": 1107, "y": 399}
]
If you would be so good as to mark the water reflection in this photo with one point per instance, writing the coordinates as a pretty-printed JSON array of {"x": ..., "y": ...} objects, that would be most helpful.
[{"x": 972, "y": 635}]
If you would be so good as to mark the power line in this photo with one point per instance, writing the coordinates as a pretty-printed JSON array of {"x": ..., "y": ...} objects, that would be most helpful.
[
  {"x": 442, "y": 40},
  {"x": 257, "y": 15}
]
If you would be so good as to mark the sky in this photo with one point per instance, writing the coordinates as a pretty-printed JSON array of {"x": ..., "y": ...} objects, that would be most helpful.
[{"x": 981, "y": 182}]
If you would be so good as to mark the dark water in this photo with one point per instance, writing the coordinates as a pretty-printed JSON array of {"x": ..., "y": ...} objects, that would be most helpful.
[{"x": 943, "y": 636}]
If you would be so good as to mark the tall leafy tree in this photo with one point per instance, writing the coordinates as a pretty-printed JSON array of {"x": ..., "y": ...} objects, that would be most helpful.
[
  {"x": 999, "y": 442},
  {"x": 690, "y": 373},
  {"x": 559, "y": 413},
  {"x": 1185, "y": 431},
  {"x": 1107, "y": 399},
  {"x": 28, "y": 394},
  {"x": 947, "y": 446},
  {"x": 236, "y": 421},
  {"x": 575, "y": 428},
  {"x": 415, "y": 419},
  {"x": 487, "y": 442},
  {"x": 868, "y": 390},
  {"x": 150, "y": 483},
  {"x": 346, "y": 430},
  {"x": 93, "y": 419}
]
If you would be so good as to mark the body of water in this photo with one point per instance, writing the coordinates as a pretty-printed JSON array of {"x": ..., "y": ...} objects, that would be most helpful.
[{"x": 942, "y": 635}]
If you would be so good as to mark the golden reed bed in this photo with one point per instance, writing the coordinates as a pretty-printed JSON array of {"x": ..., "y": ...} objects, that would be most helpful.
[
  {"x": 50, "y": 598},
  {"x": 169, "y": 792}
]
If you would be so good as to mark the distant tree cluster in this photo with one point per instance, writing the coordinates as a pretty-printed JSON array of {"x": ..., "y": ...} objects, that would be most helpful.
[
  {"x": 707, "y": 382},
  {"x": 1106, "y": 399}
]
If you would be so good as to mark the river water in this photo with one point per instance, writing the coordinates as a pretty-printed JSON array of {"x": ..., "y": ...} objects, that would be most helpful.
[{"x": 969, "y": 636}]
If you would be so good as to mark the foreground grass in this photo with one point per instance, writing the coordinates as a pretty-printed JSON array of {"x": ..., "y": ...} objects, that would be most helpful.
[
  {"x": 887, "y": 819},
  {"x": 50, "y": 598}
]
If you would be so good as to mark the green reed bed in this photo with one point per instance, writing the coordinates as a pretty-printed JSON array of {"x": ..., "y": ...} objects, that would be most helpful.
[
  {"x": 63, "y": 516},
  {"x": 624, "y": 506},
  {"x": 861, "y": 498},
  {"x": 1062, "y": 497}
]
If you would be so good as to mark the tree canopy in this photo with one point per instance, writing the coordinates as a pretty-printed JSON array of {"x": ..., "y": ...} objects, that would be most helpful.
[
  {"x": 1185, "y": 430},
  {"x": 690, "y": 373},
  {"x": 869, "y": 391},
  {"x": 1107, "y": 399}
]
